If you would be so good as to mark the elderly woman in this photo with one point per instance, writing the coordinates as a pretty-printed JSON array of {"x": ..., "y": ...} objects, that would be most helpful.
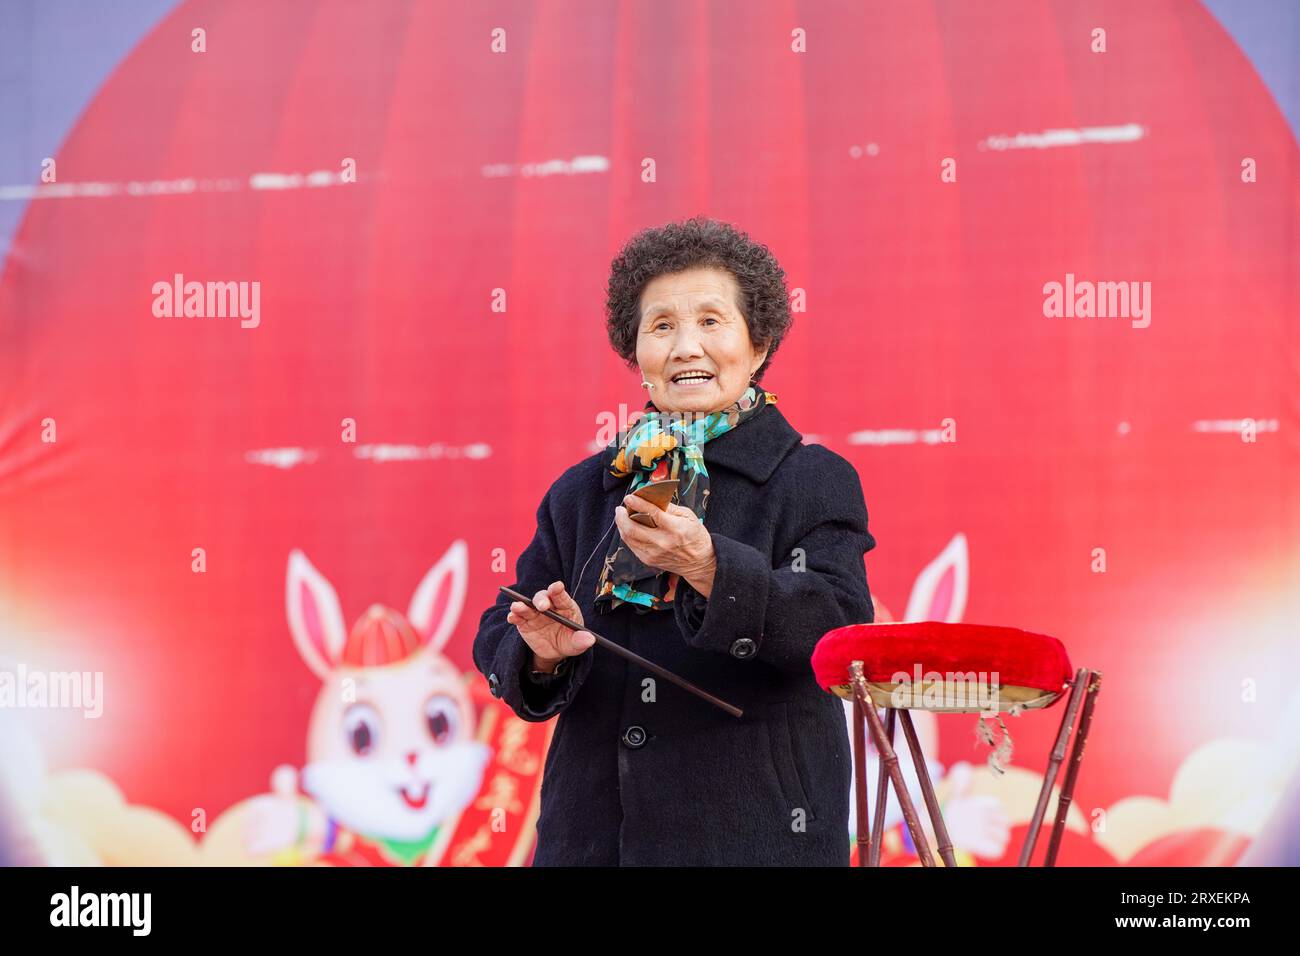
[{"x": 758, "y": 555}]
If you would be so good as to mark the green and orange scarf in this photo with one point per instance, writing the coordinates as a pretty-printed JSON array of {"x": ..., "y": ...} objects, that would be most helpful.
[{"x": 663, "y": 445}]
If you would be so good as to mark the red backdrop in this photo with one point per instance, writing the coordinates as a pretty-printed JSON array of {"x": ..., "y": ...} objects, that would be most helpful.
[{"x": 523, "y": 171}]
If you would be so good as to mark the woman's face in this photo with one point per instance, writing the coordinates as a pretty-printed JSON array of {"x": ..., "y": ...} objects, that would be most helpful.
[{"x": 690, "y": 323}]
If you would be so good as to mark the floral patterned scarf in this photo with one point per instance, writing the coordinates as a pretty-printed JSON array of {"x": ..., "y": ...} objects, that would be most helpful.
[{"x": 663, "y": 445}]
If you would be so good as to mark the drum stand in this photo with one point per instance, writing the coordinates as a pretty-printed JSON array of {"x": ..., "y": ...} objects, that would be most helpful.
[{"x": 1086, "y": 682}]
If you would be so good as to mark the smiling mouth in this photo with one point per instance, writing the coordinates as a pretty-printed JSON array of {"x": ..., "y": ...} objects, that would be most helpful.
[
  {"x": 416, "y": 795},
  {"x": 692, "y": 379}
]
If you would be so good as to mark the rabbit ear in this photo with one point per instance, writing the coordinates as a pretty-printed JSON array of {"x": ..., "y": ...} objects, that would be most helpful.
[
  {"x": 437, "y": 602},
  {"x": 314, "y": 616},
  {"x": 939, "y": 593}
]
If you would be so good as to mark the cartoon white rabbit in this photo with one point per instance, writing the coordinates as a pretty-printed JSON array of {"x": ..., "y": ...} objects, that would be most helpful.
[
  {"x": 391, "y": 749},
  {"x": 978, "y": 825}
]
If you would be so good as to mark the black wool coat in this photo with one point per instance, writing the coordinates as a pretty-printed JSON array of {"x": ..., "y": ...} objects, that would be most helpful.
[{"x": 641, "y": 772}]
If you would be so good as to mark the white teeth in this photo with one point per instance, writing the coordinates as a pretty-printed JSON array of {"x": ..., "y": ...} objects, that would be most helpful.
[{"x": 693, "y": 378}]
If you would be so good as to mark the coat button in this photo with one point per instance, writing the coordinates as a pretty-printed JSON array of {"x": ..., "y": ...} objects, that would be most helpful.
[
  {"x": 634, "y": 736},
  {"x": 494, "y": 685},
  {"x": 743, "y": 647}
]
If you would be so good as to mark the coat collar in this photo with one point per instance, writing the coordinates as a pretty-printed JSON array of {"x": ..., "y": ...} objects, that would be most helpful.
[{"x": 754, "y": 448}]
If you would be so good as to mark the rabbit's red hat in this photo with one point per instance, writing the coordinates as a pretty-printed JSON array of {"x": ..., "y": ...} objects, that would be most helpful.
[{"x": 380, "y": 637}]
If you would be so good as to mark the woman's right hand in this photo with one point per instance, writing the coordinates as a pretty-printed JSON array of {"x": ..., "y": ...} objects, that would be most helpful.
[{"x": 550, "y": 642}]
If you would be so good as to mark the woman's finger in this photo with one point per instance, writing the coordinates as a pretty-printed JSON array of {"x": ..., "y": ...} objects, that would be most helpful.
[
  {"x": 566, "y": 605},
  {"x": 578, "y": 641},
  {"x": 640, "y": 504},
  {"x": 626, "y": 526},
  {"x": 635, "y": 503}
]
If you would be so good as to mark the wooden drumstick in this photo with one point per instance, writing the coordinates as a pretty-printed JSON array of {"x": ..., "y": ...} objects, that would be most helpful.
[{"x": 634, "y": 658}]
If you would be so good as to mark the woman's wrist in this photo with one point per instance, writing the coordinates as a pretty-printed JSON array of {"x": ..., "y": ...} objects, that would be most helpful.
[
  {"x": 546, "y": 665},
  {"x": 702, "y": 580}
]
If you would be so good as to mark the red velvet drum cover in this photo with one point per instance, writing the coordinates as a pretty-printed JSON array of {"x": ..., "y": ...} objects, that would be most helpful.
[{"x": 963, "y": 660}]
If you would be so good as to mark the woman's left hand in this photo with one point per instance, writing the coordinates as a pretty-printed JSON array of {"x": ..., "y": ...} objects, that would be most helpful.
[{"x": 680, "y": 544}]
